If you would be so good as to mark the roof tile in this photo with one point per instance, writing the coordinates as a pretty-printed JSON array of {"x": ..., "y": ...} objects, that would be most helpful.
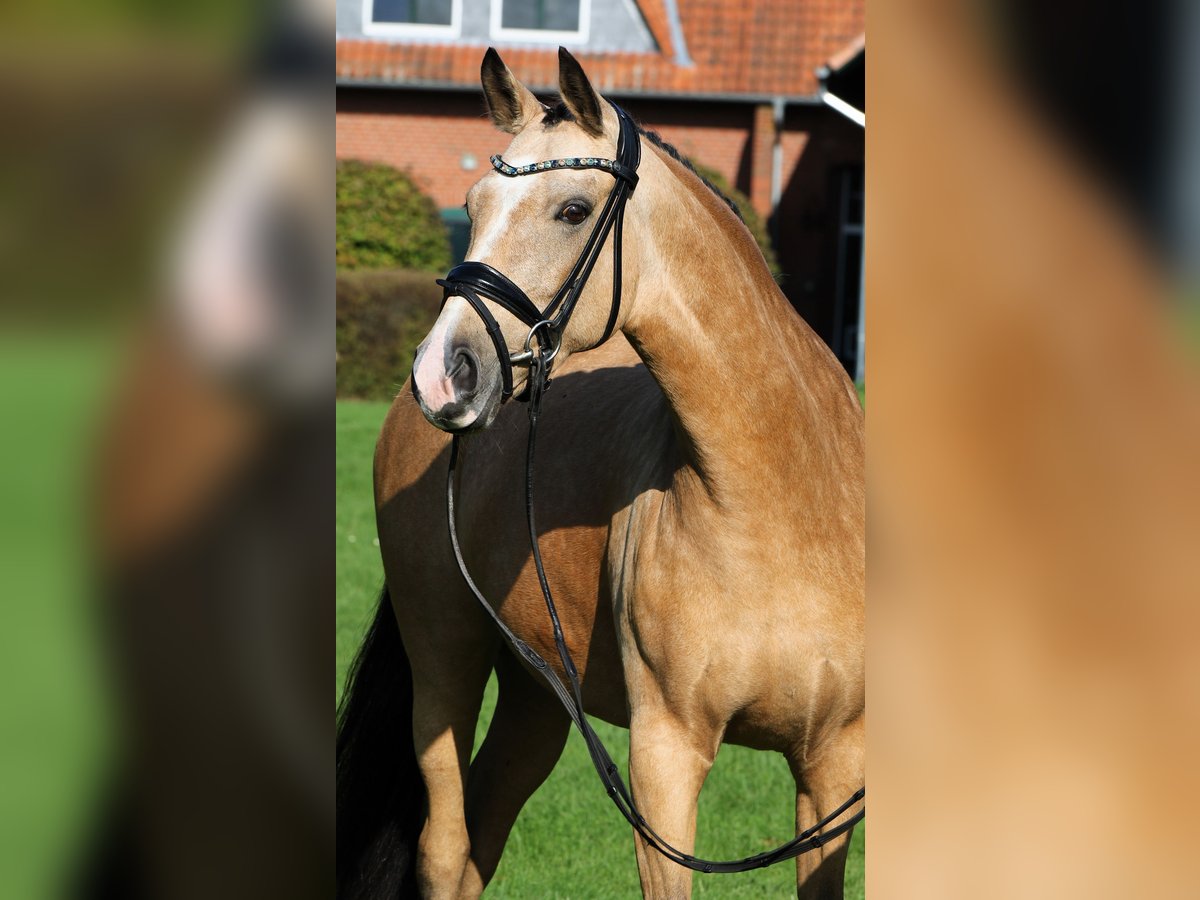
[
  {"x": 758, "y": 47},
  {"x": 655, "y": 14}
]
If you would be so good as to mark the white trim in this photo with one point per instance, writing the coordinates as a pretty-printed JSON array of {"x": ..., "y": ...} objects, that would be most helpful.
[
  {"x": 539, "y": 35},
  {"x": 411, "y": 29},
  {"x": 675, "y": 26},
  {"x": 856, "y": 116}
]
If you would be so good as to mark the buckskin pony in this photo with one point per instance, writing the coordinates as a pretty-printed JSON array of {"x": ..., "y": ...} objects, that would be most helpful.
[{"x": 701, "y": 513}]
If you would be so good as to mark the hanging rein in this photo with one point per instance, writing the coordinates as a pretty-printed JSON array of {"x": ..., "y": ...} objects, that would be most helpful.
[{"x": 475, "y": 280}]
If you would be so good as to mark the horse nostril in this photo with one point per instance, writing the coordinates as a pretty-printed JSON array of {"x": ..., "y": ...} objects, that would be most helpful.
[{"x": 464, "y": 372}]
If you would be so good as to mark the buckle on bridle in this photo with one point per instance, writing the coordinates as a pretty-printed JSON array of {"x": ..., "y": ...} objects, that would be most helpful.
[{"x": 548, "y": 347}]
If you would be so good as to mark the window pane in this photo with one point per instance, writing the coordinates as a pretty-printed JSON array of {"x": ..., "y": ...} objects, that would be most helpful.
[
  {"x": 412, "y": 12},
  {"x": 561, "y": 15},
  {"x": 552, "y": 15}
]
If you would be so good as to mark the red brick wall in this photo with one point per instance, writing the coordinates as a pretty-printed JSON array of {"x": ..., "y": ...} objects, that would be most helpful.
[
  {"x": 428, "y": 133},
  {"x": 716, "y": 135}
]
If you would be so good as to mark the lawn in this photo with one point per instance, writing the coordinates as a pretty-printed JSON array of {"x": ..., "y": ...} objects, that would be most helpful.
[
  {"x": 55, "y": 733},
  {"x": 570, "y": 841}
]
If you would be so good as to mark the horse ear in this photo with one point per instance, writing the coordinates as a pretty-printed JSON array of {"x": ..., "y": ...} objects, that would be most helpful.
[
  {"x": 510, "y": 103},
  {"x": 578, "y": 94}
]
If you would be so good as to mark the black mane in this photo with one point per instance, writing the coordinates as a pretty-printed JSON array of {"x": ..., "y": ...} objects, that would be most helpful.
[{"x": 559, "y": 113}]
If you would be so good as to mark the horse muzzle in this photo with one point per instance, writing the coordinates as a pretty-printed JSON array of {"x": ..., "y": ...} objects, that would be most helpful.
[{"x": 456, "y": 389}]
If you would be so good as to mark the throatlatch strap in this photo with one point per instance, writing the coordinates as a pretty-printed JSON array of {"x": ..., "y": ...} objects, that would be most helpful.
[{"x": 572, "y": 697}]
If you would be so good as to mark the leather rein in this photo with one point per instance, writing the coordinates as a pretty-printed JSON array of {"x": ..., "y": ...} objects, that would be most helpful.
[{"x": 470, "y": 280}]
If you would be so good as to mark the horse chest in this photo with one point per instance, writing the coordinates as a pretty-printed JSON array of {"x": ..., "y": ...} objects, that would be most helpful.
[{"x": 722, "y": 625}]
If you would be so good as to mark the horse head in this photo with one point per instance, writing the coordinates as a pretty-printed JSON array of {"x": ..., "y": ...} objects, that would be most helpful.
[{"x": 530, "y": 233}]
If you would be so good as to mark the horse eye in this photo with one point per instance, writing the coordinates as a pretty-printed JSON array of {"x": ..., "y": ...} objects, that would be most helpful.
[{"x": 574, "y": 212}]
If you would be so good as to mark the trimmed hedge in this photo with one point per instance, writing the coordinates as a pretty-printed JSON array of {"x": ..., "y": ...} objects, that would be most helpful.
[
  {"x": 381, "y": 318},
  {"x": 385, "y": 222},
  {"x": 750, "y": 216}
]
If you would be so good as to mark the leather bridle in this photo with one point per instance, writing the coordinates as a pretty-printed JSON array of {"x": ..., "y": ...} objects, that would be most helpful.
[{"x": 472, "y": 279}]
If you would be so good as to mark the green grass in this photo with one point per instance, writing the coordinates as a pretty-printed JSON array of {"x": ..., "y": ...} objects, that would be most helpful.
[
  {"x": 570, "y": 841},
  {"x": 55, "y": 740}
]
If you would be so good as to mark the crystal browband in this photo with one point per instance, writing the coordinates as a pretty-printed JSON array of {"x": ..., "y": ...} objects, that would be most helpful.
[{"x": 570, "y": 162}]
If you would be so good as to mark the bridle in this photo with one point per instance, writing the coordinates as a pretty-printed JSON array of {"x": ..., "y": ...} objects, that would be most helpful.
[{"x": 470, "y": 280}]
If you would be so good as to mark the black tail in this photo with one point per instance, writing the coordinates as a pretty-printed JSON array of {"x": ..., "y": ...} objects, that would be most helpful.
[{"x": 380, "y": 794}]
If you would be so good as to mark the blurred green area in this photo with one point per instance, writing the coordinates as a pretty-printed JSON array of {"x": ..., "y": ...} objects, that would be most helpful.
[
  {"x": 55, "y": 729},
  {"x": 115, "y": 104},
  {"x": 96, "y": 20},
  {"x": 115, "y": 109},
  {"x": 748, "y": 803}
]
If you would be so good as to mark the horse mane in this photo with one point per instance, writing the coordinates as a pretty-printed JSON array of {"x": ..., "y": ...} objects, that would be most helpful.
[{"x": 559, "y": 113}]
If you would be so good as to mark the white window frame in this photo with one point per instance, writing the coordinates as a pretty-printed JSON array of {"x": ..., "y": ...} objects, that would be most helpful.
[
  {"x": 412, "y": 29},
  {"x": 540, "y": 35}
]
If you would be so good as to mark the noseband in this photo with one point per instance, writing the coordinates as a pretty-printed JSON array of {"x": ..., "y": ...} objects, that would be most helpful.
[{"x": 474, "y": 280}]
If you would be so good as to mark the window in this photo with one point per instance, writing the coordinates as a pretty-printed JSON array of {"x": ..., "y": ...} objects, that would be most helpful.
[
  {"x": 549, "y": 21},
  {"x": 414, "y": 18}
]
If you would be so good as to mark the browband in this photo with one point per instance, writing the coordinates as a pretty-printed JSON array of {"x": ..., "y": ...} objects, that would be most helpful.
[{"x": 570, "y": 162}]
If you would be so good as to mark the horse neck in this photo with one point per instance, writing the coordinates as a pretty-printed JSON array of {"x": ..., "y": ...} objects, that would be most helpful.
[{"x": 757, "y": 396}]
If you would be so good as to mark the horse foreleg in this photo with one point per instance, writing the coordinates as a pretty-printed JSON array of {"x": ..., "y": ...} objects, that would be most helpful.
[
  {"x": 524, "y": 741},
  {"x": 668, "y": 763},
  {"x": 822, "y": 786},
  {"x": 448, "y": 682}
]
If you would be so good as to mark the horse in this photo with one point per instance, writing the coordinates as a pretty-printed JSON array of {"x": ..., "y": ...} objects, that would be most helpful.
[{"x": 701, "y": 513}]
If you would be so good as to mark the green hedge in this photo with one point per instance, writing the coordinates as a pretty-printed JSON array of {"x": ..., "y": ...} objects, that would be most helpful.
[
  {"x": 381, "y": 318},
  {"x": 385, "y": 222},
  {"x": 753, "y": 220}
]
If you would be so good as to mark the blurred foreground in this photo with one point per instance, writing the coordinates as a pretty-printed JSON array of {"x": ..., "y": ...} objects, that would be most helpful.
[
  {"x": 167, "y": 393},
  {"x": 1034, "y": 451}
]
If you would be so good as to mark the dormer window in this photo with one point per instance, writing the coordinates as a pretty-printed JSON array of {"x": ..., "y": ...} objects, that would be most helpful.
[
  {"x": 541, "y": 21},
  {"x": 438, "y": 19}
]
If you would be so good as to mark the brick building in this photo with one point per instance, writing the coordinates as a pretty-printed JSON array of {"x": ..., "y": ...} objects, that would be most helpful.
[{"x": 734, "y": 85}]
